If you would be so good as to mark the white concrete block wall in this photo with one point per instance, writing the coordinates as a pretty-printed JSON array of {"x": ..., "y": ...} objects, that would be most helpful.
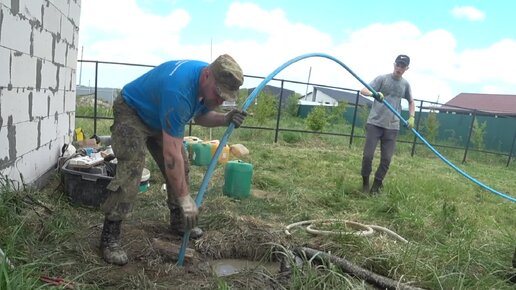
[
  {"x": 22, "y": 71},
  {"x": 4, "y": 66},
  {"x": 30, "y": 142},
  {"x": 38, "y": 61},
  {"x": 42, "y": 42},
  {"x": 32, "y": 10},
  {"x": 16, "y": 105},
  {"x": 48, "y": 75},
  {"x": 17, "y": 37}
]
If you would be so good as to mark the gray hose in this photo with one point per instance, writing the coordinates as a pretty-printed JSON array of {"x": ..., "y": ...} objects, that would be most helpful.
[{"x": 362, "y": 230}]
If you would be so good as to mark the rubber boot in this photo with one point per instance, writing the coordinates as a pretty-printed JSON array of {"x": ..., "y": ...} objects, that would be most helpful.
[
  {"x": 377, "y": 186},
  {"x": 110, "y": 247},
  {"x": 365, "y": 184},
  {"x": 177, "y": 228}
]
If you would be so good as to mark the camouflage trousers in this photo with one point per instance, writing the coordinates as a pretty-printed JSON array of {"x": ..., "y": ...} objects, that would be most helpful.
[{"x": 130, "y": 139}]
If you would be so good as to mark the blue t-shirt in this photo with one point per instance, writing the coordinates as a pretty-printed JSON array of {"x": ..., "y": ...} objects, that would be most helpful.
[{"x": 166, "y": 97}]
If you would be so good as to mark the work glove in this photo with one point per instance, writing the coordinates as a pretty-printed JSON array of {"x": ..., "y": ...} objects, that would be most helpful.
[
  {"x": 189, "y": 210},
  {"x": 378, "y": 96},
  {"x": 410, "y": 122},
  {"x": 236, "y": 116}
]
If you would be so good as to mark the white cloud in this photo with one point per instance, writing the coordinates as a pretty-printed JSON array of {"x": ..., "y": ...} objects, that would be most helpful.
[
  {"x": 437, "y": 67},
  {"x": 118, "y": 30},
  {"x": 469, "y": 12}
]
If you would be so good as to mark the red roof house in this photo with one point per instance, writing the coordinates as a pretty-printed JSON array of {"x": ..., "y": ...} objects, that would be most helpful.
[{"x": 492, "y": 104}]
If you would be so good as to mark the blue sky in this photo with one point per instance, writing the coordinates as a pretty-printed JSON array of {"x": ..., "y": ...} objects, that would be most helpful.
[{"x": 455, "y": 46}]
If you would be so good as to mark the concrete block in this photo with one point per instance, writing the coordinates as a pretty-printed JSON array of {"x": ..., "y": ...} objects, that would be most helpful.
[
  {"x": 40, "y": 103},
  {"x": 48, "y": 75},
  {"x": 15, "y": 32},
  {"x": 74, "y": 12},
  {"x": 71, "y": 57},
  {"x": 5, "y": 67},
  {"x": 6, "y": 3},
  {"x": 61, "y": 5},
  {"x": 47, "y": 129},
  {"x": 23, "y": 71},
  {"x": 51, "y": 18},
  {"x": 63, "y": 125},
  {"x": 34, "y": 163},
  {"x": 4, "y": 149},
  {"x": 68, "y": 80},
  {"x": 70, "y": 101},
  {"x": 61, "y": 75},
  {"x": 67, "y": 30},
  {"x": 56, "y": 104},
  {"x": 32, "y": 10},
  {"x": 60, "y": 52},
  {"x": 16, "y": 104},
  {"x": 42, "y": 44},
  {"x": 26, "y": 136}
]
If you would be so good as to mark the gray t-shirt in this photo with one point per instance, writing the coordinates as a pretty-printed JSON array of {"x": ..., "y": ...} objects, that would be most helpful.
[{"x": 393, "y": 90}]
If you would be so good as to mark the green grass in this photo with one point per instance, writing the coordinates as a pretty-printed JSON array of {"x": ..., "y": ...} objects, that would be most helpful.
[{"x": 460, "y": 235}]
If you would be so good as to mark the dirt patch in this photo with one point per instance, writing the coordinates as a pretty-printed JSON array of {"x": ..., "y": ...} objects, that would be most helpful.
[
  {"x": 248, "y": 238},
  {"x": 261, "y": 194}
]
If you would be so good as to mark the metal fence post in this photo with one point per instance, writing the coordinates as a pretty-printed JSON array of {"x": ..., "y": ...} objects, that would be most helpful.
[
  {"x": 469, "y": 136},
  {"x": 417, "y": 128},
  {"x": 95, "y": 99},
  {"x": 354, "y": 119},
  {"x": 512, "y": 147},
  {"x": 279, "y": 113}
]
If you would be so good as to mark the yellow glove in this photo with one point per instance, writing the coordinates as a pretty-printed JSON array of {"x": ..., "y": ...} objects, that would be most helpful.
[
  {"x": 378, "y": 96},
  {"x": 410, "y": 122}
]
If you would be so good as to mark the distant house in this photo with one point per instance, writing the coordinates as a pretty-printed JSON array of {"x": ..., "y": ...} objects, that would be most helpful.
[
  {"x": 332, "y": 97},
  {"x": 276, "y": 92},
  {"x": 104, "y": 94},
  {"x": 492, "y": 104}
]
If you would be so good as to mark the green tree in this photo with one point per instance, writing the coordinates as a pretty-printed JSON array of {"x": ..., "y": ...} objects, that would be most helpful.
[
  {"x": 431, "y": 127},
  {"x": 337, "y": 114},
  {"x": 478, "y": 134},
  {"x": 363, "y": 113},
  {"x": 265, "y": 107},
  {"x": 317, "y": 118},
  {"x": 293, "y": 105},
  {"x": 243, "y": 94}
]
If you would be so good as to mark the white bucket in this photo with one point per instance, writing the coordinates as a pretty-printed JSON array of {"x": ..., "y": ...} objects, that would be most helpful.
[{"x": 144, "y": 182}]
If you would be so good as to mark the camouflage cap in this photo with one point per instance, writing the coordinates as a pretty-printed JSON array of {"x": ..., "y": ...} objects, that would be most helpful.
[{"x": 228, "y": 75}]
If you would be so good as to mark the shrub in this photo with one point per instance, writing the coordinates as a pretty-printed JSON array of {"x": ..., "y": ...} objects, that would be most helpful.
[
  {"x": 292, "y": 105},
  {"x": 431, "y": 128},
  {"x": 337, "y": 114},
  {"x": 478, "y": 134},
  {"x": 317, "y": 119},
  {"x": 265, "y": 107}
]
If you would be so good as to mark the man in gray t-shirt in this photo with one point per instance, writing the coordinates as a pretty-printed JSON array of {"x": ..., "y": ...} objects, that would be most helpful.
[{"x": 382, "y": 124}]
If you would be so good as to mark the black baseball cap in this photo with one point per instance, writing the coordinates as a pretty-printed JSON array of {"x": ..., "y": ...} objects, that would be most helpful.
[{"x": 402, "y": 59}]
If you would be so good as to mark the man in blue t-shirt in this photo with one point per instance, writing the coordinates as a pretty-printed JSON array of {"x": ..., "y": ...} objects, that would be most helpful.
[
  {"x": 382, "y": 125},
  {"x": 151, "y": 113}
]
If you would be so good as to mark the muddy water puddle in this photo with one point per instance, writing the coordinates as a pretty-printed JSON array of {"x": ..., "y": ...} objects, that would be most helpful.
[{"x": 227, "y": 267}]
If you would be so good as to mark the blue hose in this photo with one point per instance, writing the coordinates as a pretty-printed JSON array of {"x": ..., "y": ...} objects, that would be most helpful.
[{"x": 249, "y": 101}]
